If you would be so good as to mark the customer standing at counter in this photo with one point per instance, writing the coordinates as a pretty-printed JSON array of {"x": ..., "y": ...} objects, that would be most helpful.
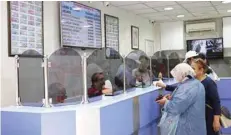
[
  {"x": 210, "y": 72},
  {"x": 184, "y": 113},
  {"x": 189, "y": 57},
  {"x": 213, "y": 107}
]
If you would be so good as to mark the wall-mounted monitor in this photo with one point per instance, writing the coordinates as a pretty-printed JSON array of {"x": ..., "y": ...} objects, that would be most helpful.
[
  {"x": 80, "y": 25},
  {"x": 212, "y": 48}
]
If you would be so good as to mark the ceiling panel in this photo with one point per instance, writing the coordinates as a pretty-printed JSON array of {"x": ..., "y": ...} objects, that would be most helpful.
[
  {"x": 174, "y": 12},
  {"x": 197, "y": 4},
  {"x": 160, "y": 18},
  {"x": 150, "y": 14},
  {"x": 215, "y": 3},
  {"x": 143, "y": 11},
  {"x": 185, "y": 16},
  {"x": 160, "y": 3},
  {"x": 224, "y": 12},
  {"x": 134, "y": 7},
  {"x": 185, "y": 2},
  {"x": 161, "y": 9},
  {"x": 206, "y": 13},
  {"x": 201, "y": 9},
  {"x": 123, "y": 3},
  {"x": 154, "y": 10},
  {"x": 224, "y": 6}
]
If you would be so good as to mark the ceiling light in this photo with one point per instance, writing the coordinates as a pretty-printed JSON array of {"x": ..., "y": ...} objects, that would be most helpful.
[
  {"x": 229, "y": 11},
  {"x": 168, "y": 8},
  {"x": 225, "y": 2},
  {"x": 76, "y": 8},
  {"x": 180, "y": 16}
]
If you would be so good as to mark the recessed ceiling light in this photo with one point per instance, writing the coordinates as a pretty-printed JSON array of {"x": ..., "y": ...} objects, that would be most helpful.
[
  {"x": 180, "y": 16},
  {"x": 168, "y": 8},
  {"x": 229, "y": 11},
  {"x": 225, "y": 2}
]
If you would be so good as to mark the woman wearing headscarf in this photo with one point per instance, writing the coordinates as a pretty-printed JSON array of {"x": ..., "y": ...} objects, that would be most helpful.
[
  {"x": 213, "y": 107},
  {"x": 184, "y": 112},
  {"x": 189, "y": 57}
]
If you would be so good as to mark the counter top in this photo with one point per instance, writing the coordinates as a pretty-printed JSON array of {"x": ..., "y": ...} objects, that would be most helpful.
[{"x": 105, "y": 101}]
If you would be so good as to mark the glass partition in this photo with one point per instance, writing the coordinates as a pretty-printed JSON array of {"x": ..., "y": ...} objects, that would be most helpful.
[
  {"x": 160, "y": 65},
  {"x": 31, "y": 79},
  {"x": 137, "y": 70},
  {"x": 174, "y": 59},
  {"x": 104, "y": 72},
  {"x": 221, "y": 67},
  {"x": 65, "y": 76}
]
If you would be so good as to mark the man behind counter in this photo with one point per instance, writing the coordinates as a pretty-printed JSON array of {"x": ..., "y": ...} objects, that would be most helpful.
[
  {"x": 97, "y": 87},
  {"x": 142, "y": 73}
]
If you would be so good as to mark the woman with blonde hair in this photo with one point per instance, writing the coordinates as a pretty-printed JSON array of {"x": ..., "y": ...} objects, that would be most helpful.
[
  {"x": 184, "y": 112},
  {"x": 213, "y": 107}
]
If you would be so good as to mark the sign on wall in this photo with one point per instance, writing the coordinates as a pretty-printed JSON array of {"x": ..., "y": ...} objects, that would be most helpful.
[
  {"x": 149, "y": 45},
  {"x": 80, "y": 25},
  {"x": 135, "y": 37},
  {"x": 25, "y": 27},
  {"x": 111, "y": 35}
]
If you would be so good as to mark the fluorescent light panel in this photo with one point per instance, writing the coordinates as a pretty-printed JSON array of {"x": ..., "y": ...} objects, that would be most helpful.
[
  {"x": 225, "y": 2},
  {"x": 180, "y": 16},
  {"x": 168, "y": 8}
]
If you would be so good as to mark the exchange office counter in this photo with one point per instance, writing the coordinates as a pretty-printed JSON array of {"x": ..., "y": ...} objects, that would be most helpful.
[{"x": 132, "y": 113}]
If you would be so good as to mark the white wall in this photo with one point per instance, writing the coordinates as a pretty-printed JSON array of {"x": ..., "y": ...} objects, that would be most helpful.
[
  {"x": 51, "y": 39},
  {"x": 157, "y": 37},
  {"x": 172, "y": 35},
  {"x": 227, "y": 32}
]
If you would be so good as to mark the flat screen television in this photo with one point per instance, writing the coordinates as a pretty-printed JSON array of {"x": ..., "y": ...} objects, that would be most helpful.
[{"x": 212, "y": 48}]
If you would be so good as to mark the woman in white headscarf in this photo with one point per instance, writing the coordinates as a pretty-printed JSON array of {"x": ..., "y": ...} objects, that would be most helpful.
[{"x": 184, "y": 112}]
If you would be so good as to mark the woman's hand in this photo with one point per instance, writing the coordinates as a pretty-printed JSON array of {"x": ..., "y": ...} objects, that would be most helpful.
[
  {"x": 168, "y": 96},
  {"x": 162, "y": 101},
  {"x": 160, "y": 84},
  {"x": 216, "y": 123}
]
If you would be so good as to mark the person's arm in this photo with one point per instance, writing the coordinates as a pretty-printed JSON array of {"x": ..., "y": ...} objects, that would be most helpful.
[
  {"x": 214, "y": 97},
  {"x": 167, "y": 87},
  {"x": 215, "y": 103},
  {"x": 182, "y": 99},
  {"x": 171, "y": 87}
]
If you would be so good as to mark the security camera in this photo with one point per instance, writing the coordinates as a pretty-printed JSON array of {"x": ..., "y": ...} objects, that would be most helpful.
[
  {"x": 106, "y": 3},
  {"x": 153, "y": 22}
]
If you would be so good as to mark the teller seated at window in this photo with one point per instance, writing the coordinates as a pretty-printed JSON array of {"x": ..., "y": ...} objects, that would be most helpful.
[
  {"x": 57, "y": 93},
  {"x": 142, "y": 73},
  {"x": 98, "y": 86}
]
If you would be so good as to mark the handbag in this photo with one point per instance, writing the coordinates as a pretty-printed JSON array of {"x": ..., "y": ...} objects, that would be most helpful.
[{"x": 225, "y": 118}]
